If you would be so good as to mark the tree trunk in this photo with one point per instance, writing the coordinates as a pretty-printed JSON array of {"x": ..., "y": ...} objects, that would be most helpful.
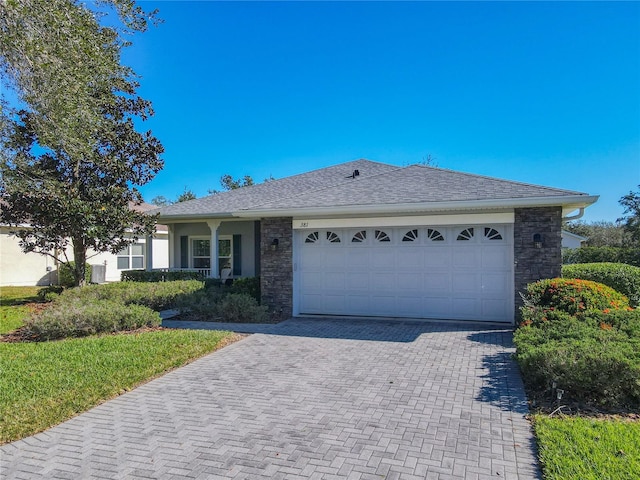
[{"x": 80, "y": 259}]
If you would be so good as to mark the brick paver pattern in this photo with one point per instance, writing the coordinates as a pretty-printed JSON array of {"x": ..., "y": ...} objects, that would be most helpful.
[{"x": 309, "y": 399}]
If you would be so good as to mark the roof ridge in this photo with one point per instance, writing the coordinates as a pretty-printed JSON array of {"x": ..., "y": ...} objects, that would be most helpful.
[
  {"x": 334, "y": 185},
  {"x": 475, "y": 175}
]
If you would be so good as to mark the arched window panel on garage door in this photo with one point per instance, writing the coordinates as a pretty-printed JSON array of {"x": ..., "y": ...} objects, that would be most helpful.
[
  {"x": 333, "y": 237},
  {"x": 434, "y": 235},
  {"x": 359, "y": 237},
  {"x": 466, "y": 234},
  {"x": 492, "y": 234},
  {"x": 410, "y": 236},
  {"x": 312, "y": 237},
  {"x": 382, "y": 236}
]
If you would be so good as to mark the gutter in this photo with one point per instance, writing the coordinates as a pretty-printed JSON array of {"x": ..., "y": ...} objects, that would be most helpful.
[{"x": 568, "y": 202}]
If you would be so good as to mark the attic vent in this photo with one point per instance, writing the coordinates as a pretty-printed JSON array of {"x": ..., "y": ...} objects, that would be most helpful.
[{"x": 356, "y": 173}]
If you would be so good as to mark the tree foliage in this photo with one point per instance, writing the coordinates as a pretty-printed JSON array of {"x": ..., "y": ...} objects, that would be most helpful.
[
  {"x": 600, "y": 234},
  {"x": 72, "y": 156},
  {"x": 229, "y": 183},
  {"x": 186, "y": 196},
  {"x": 631, "y": 218}
]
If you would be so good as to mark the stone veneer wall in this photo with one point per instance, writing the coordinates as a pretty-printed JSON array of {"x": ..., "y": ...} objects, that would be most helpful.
[
  {"x": 532, "y": 264},
  {"x": 276, "y": 266}
]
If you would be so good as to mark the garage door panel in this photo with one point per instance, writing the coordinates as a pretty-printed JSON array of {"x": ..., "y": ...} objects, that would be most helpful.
[
  {"x": 465, "y": 283},
  {"x": 437, "y": 257},
  {"x": 384, "y": 305},
  {"x": 437, "y": 307},
  {"x": 424, "y": 276},
  {"x": 334, "y": 280},
  {"x": 410, "y": 306},
  {"x": 357, "y": 258},
  {"x": 495, "y": 258},
  {"x": 407, "y": 282},
  {"x": 383, "y": 259},
  {"x": 466, "y": 258},
  {"x": 410, "y": 258},
  {"x": 334, "y": 257},
  {"x": 357, "y": 281},
  {"x": 495, "y": 284},
  {"x": 467, "y": 308},
  {"x": 494, "y": 309},
  {"x": 334, "y": 303}
]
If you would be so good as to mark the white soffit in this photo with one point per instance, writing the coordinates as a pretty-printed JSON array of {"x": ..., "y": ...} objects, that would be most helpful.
[{"x": 424, "y": 220}]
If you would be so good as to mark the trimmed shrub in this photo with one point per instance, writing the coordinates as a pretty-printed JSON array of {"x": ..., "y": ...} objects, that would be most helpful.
[
  {"x": 572, "y": 296},
  {"x": 200, "y": 305},
  {"x": 630, "y": 256},
  {"x": 79, "y": 319},
  {"x": 241, "y": 308},
  {"x": 65, "y": 274},
  {"x": 157, "y": 296},
  {"x": 50, "y": 293},
  {"x": 247, "y": 286},
  {"x": 598, "y": 367},
  {"x": 155, "y": 276},
  {"x": 619, "y": 276}
]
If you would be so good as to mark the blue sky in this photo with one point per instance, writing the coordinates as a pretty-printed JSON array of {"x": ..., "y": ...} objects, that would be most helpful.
[{"x": 545, "y": 93}]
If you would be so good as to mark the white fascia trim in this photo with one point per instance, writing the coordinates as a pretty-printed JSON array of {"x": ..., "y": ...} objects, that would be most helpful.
[
  {"x": 404, "y": 221},
  {"x": 567, "y": 202}
]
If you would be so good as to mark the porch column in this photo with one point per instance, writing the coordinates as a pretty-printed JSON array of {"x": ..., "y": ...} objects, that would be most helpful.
[
  {"x": 149, "y": 253},
  {"x": 172, "y": 240},
  {"x": 213, "y": 225}
]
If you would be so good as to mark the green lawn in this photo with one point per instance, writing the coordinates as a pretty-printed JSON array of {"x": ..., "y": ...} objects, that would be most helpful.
[
  {"x": 43, "y": 384},
  {"x": 12, "y": 306},
  {"x": 588, "y": 449}
]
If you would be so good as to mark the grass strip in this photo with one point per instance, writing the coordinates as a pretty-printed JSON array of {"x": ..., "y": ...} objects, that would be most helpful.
[
  {"x": 588, "y": 449},
  {"x": 43, "y": 384}
]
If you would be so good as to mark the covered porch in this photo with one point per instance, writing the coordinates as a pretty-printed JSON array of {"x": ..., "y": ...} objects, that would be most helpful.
[{"x": 211, "y": 245}]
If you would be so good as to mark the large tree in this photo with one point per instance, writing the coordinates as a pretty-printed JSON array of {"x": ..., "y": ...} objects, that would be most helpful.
[{"x": 72, "y": 157}]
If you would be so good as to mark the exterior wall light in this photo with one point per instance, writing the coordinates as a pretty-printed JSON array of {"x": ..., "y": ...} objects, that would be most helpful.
[
  {"x": 274, "y": 244},
  {"x": 537, "y": 240}
]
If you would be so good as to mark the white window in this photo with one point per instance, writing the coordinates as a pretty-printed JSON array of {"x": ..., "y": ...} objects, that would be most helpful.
[
  {"x": 201, "y": 252},
  {"x": 131, "y": 257}
]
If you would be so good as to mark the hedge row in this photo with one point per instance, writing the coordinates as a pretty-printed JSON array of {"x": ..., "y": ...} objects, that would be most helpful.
[
  {"x": 579, "y": 340},
  {"x": 155, "y": 276},
  {"x": 619, "y": 276},
  {"x": 630, "y": 256}
]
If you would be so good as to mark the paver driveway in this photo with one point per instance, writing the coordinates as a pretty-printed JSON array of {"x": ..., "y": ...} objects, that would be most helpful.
[{"x": 309, "y": 399}]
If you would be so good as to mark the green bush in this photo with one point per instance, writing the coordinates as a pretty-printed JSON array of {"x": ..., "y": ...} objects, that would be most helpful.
[
  {"x": 572, "y": 296},
  {"x": 78, "y": 319},
  {"x": 619, "y": 276},
  {"x": 200, "y": 305},
  {"x": 65, "y": 274},
  {"x": 155, "y": 276},
  {"x": 50, "y": 293},
  {"x": 630, "y": 256},
  {"x": 248, "y": 286},
  {"x": 596, "y": 367},
  {"x": 241, "y": 308},
  {"x": 157, "y": 296}
]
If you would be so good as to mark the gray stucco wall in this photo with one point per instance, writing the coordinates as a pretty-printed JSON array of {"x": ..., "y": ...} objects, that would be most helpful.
[
  {"x": 276, "y": 275},
  {"x": 531, "y": 263},
  {"x": 201, "y": 229}
]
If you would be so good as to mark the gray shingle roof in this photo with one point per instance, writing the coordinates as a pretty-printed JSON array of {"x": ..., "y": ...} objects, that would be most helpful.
[{"x": 377, "y": 184}]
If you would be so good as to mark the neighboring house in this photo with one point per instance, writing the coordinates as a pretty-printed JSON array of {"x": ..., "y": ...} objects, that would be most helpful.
[
  {"x": 368, "y": 239},
  {"x": 26, "y": 269},
  {"x": 571, "y": 240}
]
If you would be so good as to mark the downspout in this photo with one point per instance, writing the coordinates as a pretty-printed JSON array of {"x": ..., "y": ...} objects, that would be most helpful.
[{"x": 575, "y": 217}]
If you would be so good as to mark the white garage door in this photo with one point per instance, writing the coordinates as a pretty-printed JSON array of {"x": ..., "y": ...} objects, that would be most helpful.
[{"x": 459, "y": 272}]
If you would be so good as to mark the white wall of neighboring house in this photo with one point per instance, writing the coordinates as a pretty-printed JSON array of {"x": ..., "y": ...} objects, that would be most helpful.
[
  {"x": 29, "y": 269},
  {"x": 571, "y": 240}
]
